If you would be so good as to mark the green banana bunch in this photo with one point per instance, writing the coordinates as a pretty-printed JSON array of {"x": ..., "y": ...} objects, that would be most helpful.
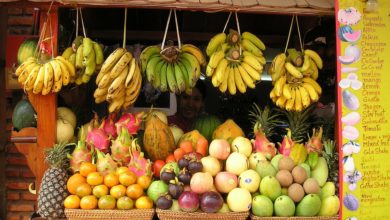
[
  {"x": 174, "y": 70},
  {"x": 87, "y": 57}
]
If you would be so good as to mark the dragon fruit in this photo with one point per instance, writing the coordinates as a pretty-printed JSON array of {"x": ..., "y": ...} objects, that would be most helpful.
[
  {"x": 108, "y": 126},
  {"x": 262, "y": 144},
  {"x": 98, "y": 138},
  {"x": 287, "y": 144},
  {"x": 79, "y": 155},
  {"x": 120, "y": 148},
  {"x": 83, "y": 131},
  {"x": 130, "y": 121},
  {"x": 104, "y": 163},
  {"x": 138, "y": 163},
  {"x": 314, "y": 144}
]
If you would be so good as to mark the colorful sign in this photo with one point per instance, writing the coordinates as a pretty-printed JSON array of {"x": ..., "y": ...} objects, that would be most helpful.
[{"x": 363, "y": 46}]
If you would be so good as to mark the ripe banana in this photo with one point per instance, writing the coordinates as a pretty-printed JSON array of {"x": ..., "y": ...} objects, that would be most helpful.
[
  {"x": 26, "y": 72},
  {"x": 22, "y": 66},
  {"x": 252, "y": 61},
  {"x": 287, "y": 91},
  {"x": 195, "y": 51},
  {"x": 220, "y": 70},
  {"x": 231, "y": 84},
  {"x": 248, "y": 80},
  {"x": 281, "y": 102},
  {"x": 121, "y": 64},
  {"x": 48, "y": 78},
  {"x": 214, "y": 43},
  {"x": 69, "y": 66},
  {"x": 112, "y": 59},
  {"x": 65, "y": 73},
  {"x": 67, "y": 53},
  {"x": 298, "y": 101},
  {"x": 249, "y": 46},
  {"x": 215, "y": 59},
  {"x": 278, "y": 64},
  {"x": 116, "y": 104},
  {"x": 290, "y": 104},
  {"x": 255, "y": 75},
  {"x": 254, "y": 39},
  {"x": 304, "y": 97},
  {"x": 223, "y": 86},
  {"x": 279, "y": 85},
  {"x": 57, "y": 71},
  {"x": 313, "y": 83},
  {"x": 132, "y": 69},
  {"x": 32, "y": 76},
  {"x": 311, "y": 91},
  {"x": 38, "y": 83},
  {"x": 315, "y": 56},
  {"x": 241, "y": 86},
  {"x": 306, "y": 63},
  {"x": 105, "y": 82},
  {"x": 293, "y": 70},
  {"x": 118, "y": 82}
]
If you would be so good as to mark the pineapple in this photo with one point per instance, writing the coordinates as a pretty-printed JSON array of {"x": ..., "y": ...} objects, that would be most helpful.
[
  {"x": 299, "y": 123},
  {"x": 52, "y": 191},
  {"x": 265, "y": 118},
  {"x": 332, "y": 159}
]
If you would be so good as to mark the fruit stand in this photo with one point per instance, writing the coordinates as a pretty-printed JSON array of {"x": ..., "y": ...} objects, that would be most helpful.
[{"x": 133, "y": 164}]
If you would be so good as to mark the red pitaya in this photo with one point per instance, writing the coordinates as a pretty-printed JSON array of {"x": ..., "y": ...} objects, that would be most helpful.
[
  {"x": 287, "y": 144},
  {"x": 98, "y": 139},
  {"x": 79, "y": 155},
  {"x": 83, "y": 131},
  {"x": 120, "y": 148},
  {"x": 262, "y": 144},
  {"x": 108, "y": 126},
  {"x": 138, "y": 163},
  {"x": 130, "y": 121},
  {"x": 314, "y": 144},
  {"x": 104, "y": 163}
]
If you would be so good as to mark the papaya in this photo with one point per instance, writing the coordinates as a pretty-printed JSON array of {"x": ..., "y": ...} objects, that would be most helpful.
[
  {"x": 228, "y": 131},
  {"x": 158, "y": 139},
  {"x": 198, "y": 141}
]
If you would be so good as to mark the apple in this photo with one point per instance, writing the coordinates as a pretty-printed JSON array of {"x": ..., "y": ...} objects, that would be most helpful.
[
  {"x": 219, "y": 148},
  {"x": 242, "y": 145}
]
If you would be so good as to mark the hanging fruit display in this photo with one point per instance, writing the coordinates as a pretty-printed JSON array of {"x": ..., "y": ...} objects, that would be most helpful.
[
  {"x": 86, "y": 55},
  {"x": 236, "y": 61},
  {"x": 294, "y": 77},
  {"x": 173, "y": 69}
]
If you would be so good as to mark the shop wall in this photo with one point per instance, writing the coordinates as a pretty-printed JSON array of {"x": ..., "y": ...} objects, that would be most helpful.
[{"x": 17, "y": 203}]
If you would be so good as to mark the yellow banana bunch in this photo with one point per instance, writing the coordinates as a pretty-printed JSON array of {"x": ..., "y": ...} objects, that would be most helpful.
[
  {"x": 119, "y": 80},
  {"x": 236, "y": 61},
  {"x": 45, "y": 78},
  {"x": 174, "y": 70},
  {"x": 295, "y": 86},
  {"x": 86, "y": 56}
]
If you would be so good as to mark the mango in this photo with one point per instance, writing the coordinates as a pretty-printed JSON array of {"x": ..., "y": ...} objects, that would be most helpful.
[
  {"x": 310, "y": 205},
  {"x": 270, "y": 187},
  {"x": 284, "y": 206},
  {"x": 275, "y": 160},
  {"x": 320, "y": 171},
  {"x": 330, "y": 206},
  {"x": 329, "y": 189}
]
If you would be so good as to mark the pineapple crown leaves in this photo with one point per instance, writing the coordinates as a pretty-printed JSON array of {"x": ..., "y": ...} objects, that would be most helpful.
[
  {"x": 57, "y": 156},
  {"x": 266, "y": 119},
  {"x": 299, "y": 123}
]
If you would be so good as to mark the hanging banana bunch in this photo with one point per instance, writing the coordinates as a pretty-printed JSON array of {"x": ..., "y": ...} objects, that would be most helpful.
[
  {"x": 294, "y": 76},
  {"x": 236, "y": 60},
  {"x": 119, "y": 80},
  {"x": 173, "y": 69}
]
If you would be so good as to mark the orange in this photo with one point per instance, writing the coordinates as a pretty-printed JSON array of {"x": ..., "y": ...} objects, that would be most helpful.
[
  {"x": 134, "y": 191},
  {"x": 74, "y": 181},
  {"x": 72, "y": 202},
  {"x": 100, "y": 190},
  {"x": 144, "y": 181},
  {"x": 118, "y": 191},
  {"x": 144, "y": 202},
  {"x": 83, "y": 190},
  {"x": 107, "y": 202},
  {"x": 127, "y": 178},
  {"x": 88, "y": 202},
  {"x": 121, "y": 170},
  {"x": 111, "y": 180},
  {"x": 95, "y": 178},
  {"x": 124, "y": 203},
  {"x": 87, "y": 168}
]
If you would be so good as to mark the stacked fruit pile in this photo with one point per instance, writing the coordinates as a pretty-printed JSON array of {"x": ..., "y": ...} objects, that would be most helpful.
[
  {"x": 236, "y": 61},
  {"x": 172, "y": 69},
  {"x": 294, "y": 77},
  {"x": 47, "y": 77},
  {"x": 119, "y": 80},
  {"x": 86, "y": 55}
]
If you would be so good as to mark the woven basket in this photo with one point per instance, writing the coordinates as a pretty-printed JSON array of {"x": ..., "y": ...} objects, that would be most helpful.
[
  {"x": 296, "y": 218},
  {"x": 177, "y": 215},
  {"x": 75, "y": 214}
]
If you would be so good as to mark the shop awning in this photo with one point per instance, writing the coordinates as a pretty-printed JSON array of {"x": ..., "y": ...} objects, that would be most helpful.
[{"x": 300, "y": 7}]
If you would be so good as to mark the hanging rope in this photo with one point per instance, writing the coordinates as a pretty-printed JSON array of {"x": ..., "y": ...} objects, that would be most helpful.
[
  {"x": 166, "y": 30},
  {"x": 299, "y": 33},
  {"x": 227, "y": 22},
  {"x": 82, "y": 23},
  {"x": 77, "y": 22},
  {"x": 177, "y": 30},
  {"x": 289, "y": 34}
]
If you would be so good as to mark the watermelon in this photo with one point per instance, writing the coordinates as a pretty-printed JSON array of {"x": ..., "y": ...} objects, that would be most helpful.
[
  {"x": 23, "y": 115},
  {"x": 206, "y": 124},
  {"x": 26, "y": 49}
]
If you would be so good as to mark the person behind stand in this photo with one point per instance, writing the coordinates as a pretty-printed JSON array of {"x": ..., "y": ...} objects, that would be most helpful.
[{"x": 189, "y": 107}]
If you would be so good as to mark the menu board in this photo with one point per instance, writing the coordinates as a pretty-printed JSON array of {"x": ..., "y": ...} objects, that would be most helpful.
[{"x": 363, "y": 40}]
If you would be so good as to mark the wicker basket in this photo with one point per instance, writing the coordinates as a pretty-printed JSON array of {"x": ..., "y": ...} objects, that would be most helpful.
[
  {"x": 76, "y": 214},
  {"x": 296, "y": 218},
  {"x": 177, "y": 215}
]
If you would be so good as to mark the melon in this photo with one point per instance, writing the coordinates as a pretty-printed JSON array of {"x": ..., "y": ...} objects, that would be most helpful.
[
  {"x": 206, "y": 125},
  {"x": 26, "y": 49},
  {"x": 352, "y": 37},
  {"x": 346, "y": 59},
  {"x": 342, "y": 30}
]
